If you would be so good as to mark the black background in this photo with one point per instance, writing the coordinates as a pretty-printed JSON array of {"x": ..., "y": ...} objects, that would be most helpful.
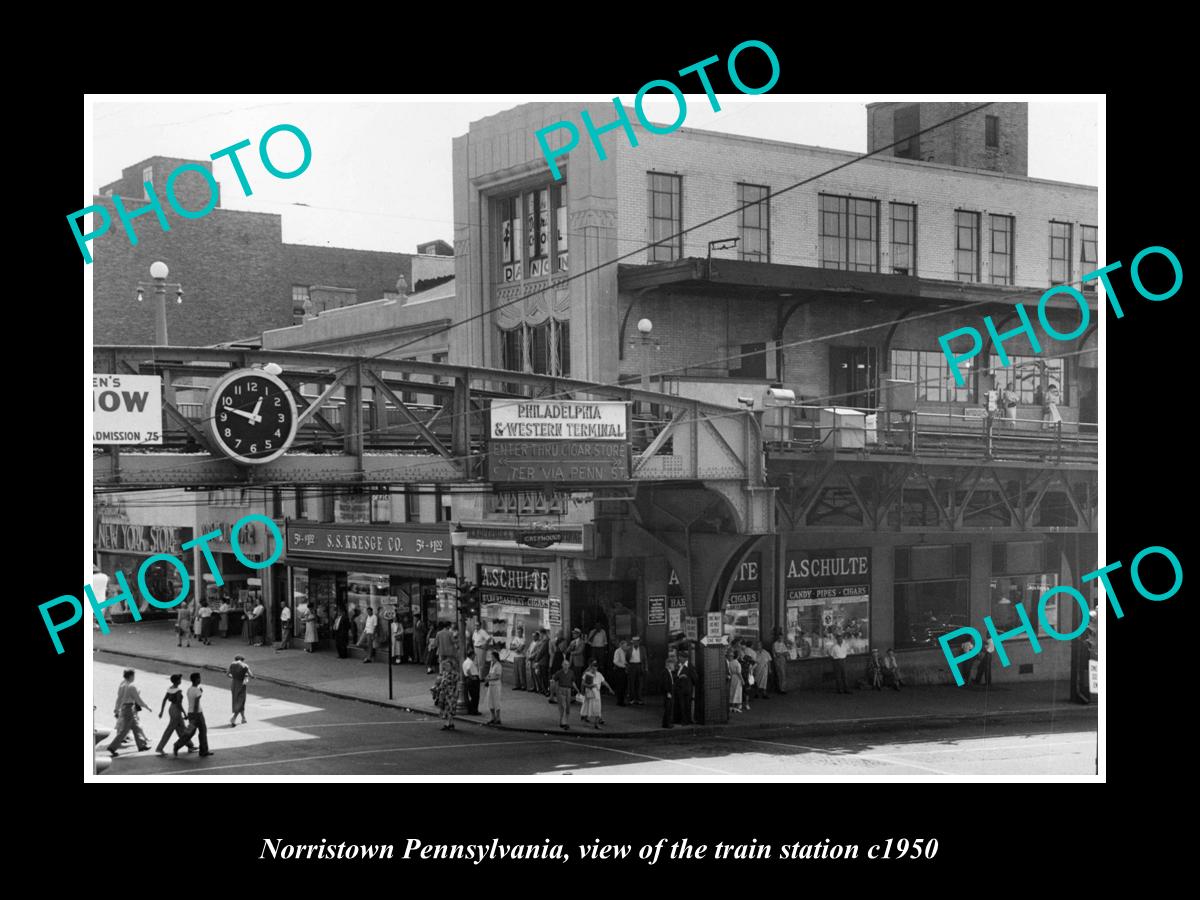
[{"x": 988, "y": 831}]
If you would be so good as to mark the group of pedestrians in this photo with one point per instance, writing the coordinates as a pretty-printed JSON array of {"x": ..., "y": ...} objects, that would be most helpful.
[
  {"x": 982, "y": 664},
  {"x": 748, "y": 671},
  {"x": 185, "y": 717},
  {"x": 200, "y": 623}
]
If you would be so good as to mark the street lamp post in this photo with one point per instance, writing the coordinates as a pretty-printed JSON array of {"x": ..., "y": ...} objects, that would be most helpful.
[
  {"x": 458, "y": 542},
  {"x": 159, "y": 272}
]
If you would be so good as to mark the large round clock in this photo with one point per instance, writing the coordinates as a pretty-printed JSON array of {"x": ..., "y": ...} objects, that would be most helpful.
[{"x": 251, "y": 416}]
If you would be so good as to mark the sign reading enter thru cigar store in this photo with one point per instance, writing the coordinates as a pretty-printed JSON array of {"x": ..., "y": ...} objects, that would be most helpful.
[{"x": 581, "y": 442}]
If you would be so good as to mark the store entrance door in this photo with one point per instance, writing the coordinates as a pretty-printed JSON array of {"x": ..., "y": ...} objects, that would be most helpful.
[{"x": 611, "y": 603}]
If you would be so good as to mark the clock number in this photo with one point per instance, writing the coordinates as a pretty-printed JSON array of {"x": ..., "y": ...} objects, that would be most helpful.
[
  {"x": 228, "y": 433},
  {"x": 227, "y": 400},
  {"x": 277, "y": 434},
  {"x": 237, "y": 442},
  {"x": 237, "y": 389},
  {"x": 281, "y": 417},
  {"x": 254, "y": 448},
  {"x": 268, "y": 445},
  {"x": 279, "y": 401},
  {"x": 224, "y": 416}
]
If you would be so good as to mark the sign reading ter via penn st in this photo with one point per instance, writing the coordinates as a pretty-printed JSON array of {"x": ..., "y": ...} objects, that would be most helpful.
[{"x": 580, "y": 441}]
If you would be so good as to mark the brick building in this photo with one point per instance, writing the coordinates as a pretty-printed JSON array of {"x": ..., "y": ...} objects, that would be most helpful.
[
  {"x": 834, "y": 290},
  {"x": 238, "y": 276}
]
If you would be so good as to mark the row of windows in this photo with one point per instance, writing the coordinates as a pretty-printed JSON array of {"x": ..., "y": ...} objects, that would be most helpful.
[
  {"x": 540, "y": 349},
  {"x": 935, "y": 384},
  {"x": 849, "y": 234},
  {"x": 533, "y": 233}
]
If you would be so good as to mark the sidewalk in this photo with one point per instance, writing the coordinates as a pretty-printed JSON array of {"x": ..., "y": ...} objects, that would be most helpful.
[{"x": 815, "y": 711}]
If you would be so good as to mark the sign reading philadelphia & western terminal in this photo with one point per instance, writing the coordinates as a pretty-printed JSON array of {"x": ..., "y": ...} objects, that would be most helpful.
[{"x": 558, "y": 441}]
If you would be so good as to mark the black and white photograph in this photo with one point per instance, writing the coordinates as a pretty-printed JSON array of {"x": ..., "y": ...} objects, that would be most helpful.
[{"x": 707, "y": 434}]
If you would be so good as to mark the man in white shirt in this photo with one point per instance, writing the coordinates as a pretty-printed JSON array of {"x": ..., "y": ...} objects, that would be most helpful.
[
  {"x": 125, "y": 711},
  {"x": 635, "y": 667},
  {"x": 620, "y": 677},
  {"x": 837, "y": 653},
  {"x": 471, "y": 682},
  {"x": 482, "y": 640},
  {"x": 285, "y": 627},
  {"x": 257, "y": 621},
  {"x": 370, "y": 634},
  {"x": 598, "y": 646}
]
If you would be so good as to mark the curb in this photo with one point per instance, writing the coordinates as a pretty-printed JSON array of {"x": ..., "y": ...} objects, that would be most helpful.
[{"x": 811, "y": 727}]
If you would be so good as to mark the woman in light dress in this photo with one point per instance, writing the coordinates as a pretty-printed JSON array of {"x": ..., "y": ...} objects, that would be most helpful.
[
  {"x": 733, "y": 670},
  {"x": 491, "y": 687}
]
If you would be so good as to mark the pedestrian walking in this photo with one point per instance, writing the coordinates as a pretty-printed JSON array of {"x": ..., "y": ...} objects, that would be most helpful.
[
  {"x": 781, "y": 657},
  {"x": 598, "y": 646},
  {"x": 733, "y": 677},
  {"x": 557, "y": 651},
  {"x": 470, "y": 671},
  {"x": 183, "y": 625},
  {"x": 420, "y": 640},
  {"x": 891, "y": 670},
  {"x": 310, "y": 631},
  {"x": 565, "y": 687},
  {"x": 837, "y": 653},
  {"x": 491, "y": 689},
  {"x": 517, "y": 647},
  {"x": 370, "y": 634},
  {"x": 620, "y": 677},
  {"x": 669, "y": 695},
  {"x": 637, "y": 662},
  {"x": 176, "y": 722},
  {"x": 577, "y": 652},
  {"x": 285, "y": 628},
  {"x": 129, "y": 703},
  {"x": 204, "y": 617},
  {"x": 593, "y": 686},
  {"x": 685, "y": 686},
  {"x": 983, "y": 672},
  {"x": 239, "y": 674},
  {"x": 762, "y": 670},
  {"x": 445, "y": 691},
  {"x": 195, "y": 718},
  {"x": 258, "y": 622}
]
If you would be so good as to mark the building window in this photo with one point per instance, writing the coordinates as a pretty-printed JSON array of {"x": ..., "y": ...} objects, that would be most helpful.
[
  {"x": 1023, "y": 376},
  {"x": 147, "y": 178},
  {"x": 1060, "y": 252},
  {"x": 381, "y": 507},
  {"x": 932, "y": 587},
  {"x": 412, "y": 505},
  {"x": 966, "y": 245},
  {"x": 904, "y": 238},
  {"x": 560, "y": 227},
  {"x": 510, "y": 238},
  {"x": 537, "y": 232},
  {"x": 1088, "y": 254},
  {"x": 849, "y": 234},
  {"x": 299, "y": 299},
  {"x": 1019, "y": 578},
  {"x": 1002, "y": 249},
  {"x": 541, "y": 349},
  {"x": 755, "y": 223},
  {"x": 528, "y": 215},
  {"x": 928, "y": 371},
  {"x": 992, "y": 131},
  {"x": 906, "y": 122},
  {"x": 666, "y": 217}
]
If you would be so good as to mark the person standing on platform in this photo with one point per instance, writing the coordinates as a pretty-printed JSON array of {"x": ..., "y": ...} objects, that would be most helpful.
[
  {"x": 285, "y": 627},
  {"x": 636, "y": 664},
  {"x": 1051, "y": 417},
  {"x": 125, "y": 711},
  {"x": 598, "y": 646},
  {"x": 620, "y": 678},
  {"x": 491, "y": 689},
  {"x": 310, "y": 631},
  {"x": 223, "y": 617},
  {"x": 470, "y": 671},
  {"x": 685, "y": 684},
  {"x": 195, "y": 718},
  {"x": 781, "y": 657},
  {"x": 420, "y": 640},
  {"x": 183, "y": 625},
  {"x": 564, "y": 687},
  {"x": 517, "y": 647},
  {"x": 983, "y": 672},
  {"x": 669, "y": 695},
  {"x": 240, "y": 675},
  {"x": 176, "y": 723},
  {"x": 837, "y": 653}
]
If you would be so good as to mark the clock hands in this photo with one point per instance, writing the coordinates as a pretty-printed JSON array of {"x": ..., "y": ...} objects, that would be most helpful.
[{"x": 254, "y": 417}]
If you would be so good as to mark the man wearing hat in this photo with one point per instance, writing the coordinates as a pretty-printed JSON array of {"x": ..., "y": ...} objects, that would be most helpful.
[{"x": 636, "y": 660}]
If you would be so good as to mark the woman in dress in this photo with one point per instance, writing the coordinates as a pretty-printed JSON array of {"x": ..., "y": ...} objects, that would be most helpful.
[
  {"x": 446, "y": 692},
  {"x": 310, "y": 630},
  {"x": 747, "y": 663},
  {"x": 177, "y": 723},
  {"x": 204, "y": 614},
  {"x": 223, "y": 618},
  {"x": 733, "y": 669},
  {"x": 491, "y": 687},
  {"x": 593, "y": 684},
  {"x": 240, "y": 674}
]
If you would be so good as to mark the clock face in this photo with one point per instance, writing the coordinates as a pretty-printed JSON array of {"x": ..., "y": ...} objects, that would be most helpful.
[{"x": 252, "y": 416}]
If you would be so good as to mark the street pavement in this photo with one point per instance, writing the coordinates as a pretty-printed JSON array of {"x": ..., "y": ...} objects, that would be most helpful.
[
  {"x": 818, "y": 711},
  {"x": 293, "y": 731}
]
